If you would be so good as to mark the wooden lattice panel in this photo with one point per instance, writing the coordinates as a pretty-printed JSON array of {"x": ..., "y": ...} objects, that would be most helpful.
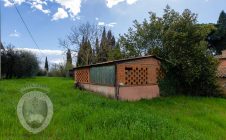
[
  {"x": 82, "y": 75},
  {"x": 136, "y": 75}
]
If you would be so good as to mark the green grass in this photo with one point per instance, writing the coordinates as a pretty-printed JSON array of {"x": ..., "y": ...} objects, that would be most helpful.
[{"x": 83, "y": 115}]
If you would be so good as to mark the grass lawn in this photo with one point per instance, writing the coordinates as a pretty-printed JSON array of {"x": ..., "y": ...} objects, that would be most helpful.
[{"x": 83, "y": 115}]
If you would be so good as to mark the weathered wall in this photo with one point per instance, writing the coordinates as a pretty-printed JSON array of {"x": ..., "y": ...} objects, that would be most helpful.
[
  {"x": 136, "y": 79},
  {"x": 82, "y": 75},
  {"x": 138, "y": 72},
  {"x": 134, "y": 93},
  {"x": 221, "y": 70},
  {"x": 108, "y": 91},
  {"x": 103, "y": 75}
]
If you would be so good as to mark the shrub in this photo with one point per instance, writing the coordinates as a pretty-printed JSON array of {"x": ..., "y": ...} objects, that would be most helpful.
[{"x": 18, "y": 63}]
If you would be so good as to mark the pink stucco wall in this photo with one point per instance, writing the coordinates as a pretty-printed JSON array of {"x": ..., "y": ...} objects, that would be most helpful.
[
  {"x": 133, "y": 93},
  {"x": 108, "y": 91}
]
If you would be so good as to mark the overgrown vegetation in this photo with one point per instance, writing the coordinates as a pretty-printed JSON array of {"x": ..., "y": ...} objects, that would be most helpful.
[
  {"x": 181, "y": 42},
  {"x": 83, "y": 115},
  {"x": 217, "y": 39},
  {"x": 18, "y": 63},
  {"x": 93, "y": 44}
]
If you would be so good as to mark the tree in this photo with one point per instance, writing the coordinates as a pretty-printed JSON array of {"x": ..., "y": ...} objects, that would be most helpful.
[
  {"x": 18, "y": 63},
  {"x": 68, "y": 65},
  {"x": 222, "y": 19},
  {"x": 46, "y": 66},
  {"x": 97, "y": 51},
  {"x": 178, "y": 39},
  {"x": 111, "y": 45},
  {"x": 217, "y": 39},
  {"x": 103, "y": 47},
  {"x": 107, "y": 44},
  {"x": 74, "y": 39},
  {"x": 116, "y": 53},
  {"x": 85, "y": 53},
  {"x": 110, "y": 40}
]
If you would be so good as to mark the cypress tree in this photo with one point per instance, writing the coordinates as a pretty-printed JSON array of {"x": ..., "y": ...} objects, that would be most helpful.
[
  {"x": 68, "y": 62},
  {"x": 79, "y": 57},
  {"x": 217, "y": 40},
  {"x": 85, "y": 53},
  {"x": 222, "y": 18},
  {"x": 97, "y": 51},
  {"x": 46, "y": 66},
  {"x": 103, "y": 47}
]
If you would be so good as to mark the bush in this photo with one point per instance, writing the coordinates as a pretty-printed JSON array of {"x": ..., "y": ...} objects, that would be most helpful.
[
  {"x": 57, "y": 70},
  {"x": 41, "y": 72},
  {"x": 18, "y": 63}
]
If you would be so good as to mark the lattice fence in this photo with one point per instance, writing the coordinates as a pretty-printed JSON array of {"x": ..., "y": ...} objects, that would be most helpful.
[
  {"x": 136, "y": 75},
  {"x": 82, "y": 75}
]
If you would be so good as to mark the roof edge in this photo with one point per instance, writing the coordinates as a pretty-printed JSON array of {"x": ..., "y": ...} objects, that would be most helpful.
[{"x": 118, "y": 61}]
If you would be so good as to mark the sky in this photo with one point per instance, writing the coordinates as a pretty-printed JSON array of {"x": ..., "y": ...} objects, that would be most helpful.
[{"x": 50, "y": 20}]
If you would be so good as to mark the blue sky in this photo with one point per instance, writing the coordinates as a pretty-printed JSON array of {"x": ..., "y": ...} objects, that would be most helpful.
[{"x": 50, "y": 20}]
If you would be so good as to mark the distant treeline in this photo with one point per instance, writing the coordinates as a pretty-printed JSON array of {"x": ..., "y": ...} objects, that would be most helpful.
[{"x": 18, "y": 63}]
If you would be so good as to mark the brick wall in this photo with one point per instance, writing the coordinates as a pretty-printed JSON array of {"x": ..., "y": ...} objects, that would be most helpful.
[
  {"x": 82, "y": 75},
  {"x": 138, "y": 72}
]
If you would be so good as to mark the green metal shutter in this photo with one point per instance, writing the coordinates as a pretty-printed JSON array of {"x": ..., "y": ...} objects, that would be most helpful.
[{"x": 103, "y": 75}]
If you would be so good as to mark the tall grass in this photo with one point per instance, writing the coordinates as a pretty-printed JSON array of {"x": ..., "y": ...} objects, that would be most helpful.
[{"x": 84, "y": 115}]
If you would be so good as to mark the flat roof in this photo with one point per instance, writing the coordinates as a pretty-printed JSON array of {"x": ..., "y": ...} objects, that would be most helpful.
[{"x": 119, "y": 61}]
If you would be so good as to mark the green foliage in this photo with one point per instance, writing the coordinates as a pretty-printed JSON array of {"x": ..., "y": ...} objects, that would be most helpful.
[
  {"x": 104, "y": 48},
  {"x": 18, "y": 63},
  {"x": 116, "y": 53},
  {"x": 217, "y": 39},
  {"x": 93, "y": 43},
  {"x": 85, "y": 53},
  {"x": 178, "y": 39},
  {"x": 97, "y": 54},
  {"x": 46, "y": 65},
  {"x": 84, "y": 115},
  {"x": 68, "y": 65},
  {"x": 58, "y": 70},
  {"x": 107, "y": 50}
]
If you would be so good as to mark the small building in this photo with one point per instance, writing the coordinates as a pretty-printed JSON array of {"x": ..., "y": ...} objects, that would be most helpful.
[
  {"x": 221, "y": 70},
  {"x": 126, "y": 79}
]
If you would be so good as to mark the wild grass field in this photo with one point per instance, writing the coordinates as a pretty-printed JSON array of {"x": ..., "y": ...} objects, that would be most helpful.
[{"x": 83, "y": 115}]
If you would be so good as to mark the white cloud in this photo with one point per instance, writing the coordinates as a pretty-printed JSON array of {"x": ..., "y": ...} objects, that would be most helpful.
[
  {"x": 60, "y": 14},
  {"x": 131, "y": 1},
  {"x": 111, "y": 3},
  {"x": 43, "y": 51},
  {"x": 14, "y": 34},
  {"x": 56, "y": 61},
  {"x": 72, "y": 6},
  {"x": 8, "y": 3},
  {"x": 101, "y": 23},
  {"x": 68, "y": 8},
  {"x": 96, "y": 18},
  {"x": 54, "y": 56},
  {"x": 40, "y": 7},
  {"x": 111, "y": 25}
]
